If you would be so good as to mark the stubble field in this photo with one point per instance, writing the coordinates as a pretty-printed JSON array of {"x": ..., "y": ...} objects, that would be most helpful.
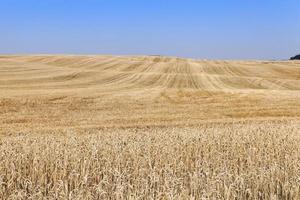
[{"x": 148, "y": 127}]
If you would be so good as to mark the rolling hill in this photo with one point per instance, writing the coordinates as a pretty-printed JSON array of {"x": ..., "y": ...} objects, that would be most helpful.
[{"x": 83, "y": 92}]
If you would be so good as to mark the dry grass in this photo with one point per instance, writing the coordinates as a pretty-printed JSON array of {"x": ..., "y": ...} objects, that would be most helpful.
[
  {"x": 105, "y": 127},
  {"x": 224, "y": 161}
]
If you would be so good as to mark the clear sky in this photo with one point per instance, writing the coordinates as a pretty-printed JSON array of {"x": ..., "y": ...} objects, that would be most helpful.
[{"x": 212, "y": 29}]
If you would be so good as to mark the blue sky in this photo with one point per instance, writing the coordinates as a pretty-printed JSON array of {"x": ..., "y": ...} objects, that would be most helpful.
[{"x": 212, "y": 29}]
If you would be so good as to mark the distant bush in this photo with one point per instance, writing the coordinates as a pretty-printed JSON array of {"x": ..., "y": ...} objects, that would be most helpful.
[{"x": 297, "y": 57}]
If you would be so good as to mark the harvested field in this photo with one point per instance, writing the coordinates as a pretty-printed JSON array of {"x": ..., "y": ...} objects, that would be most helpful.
[{"x": 148, "y": 127}]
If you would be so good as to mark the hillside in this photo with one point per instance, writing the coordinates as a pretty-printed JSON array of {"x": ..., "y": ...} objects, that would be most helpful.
[{"x": 84, "y": 92}]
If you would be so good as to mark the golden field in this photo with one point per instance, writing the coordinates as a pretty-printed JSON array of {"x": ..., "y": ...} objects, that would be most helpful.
[{"x": 148, "y": 127}]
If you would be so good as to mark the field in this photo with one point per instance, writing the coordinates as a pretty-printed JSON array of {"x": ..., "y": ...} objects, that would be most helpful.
[{"x": 148, "y": 127}]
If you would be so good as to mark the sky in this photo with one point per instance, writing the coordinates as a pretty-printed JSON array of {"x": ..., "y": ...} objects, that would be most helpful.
[{"x": 211, "y": 29}]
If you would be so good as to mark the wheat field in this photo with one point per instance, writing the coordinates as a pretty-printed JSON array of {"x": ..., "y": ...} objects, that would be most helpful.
[{"x": 148, "y": 127}]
